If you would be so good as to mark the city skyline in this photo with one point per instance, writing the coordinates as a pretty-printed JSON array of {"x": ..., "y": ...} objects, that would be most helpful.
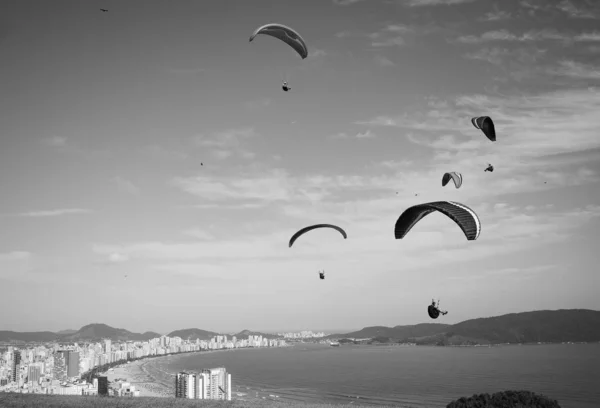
[{"x": 151, "y": 167}]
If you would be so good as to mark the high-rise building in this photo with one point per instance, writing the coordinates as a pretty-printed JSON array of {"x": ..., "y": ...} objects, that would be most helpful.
[
  {"x": 102, "y": 386},
  {"x": 212, "y": 383},
  {"x": 34, "y": 373},
  {"x": 60, "y": 365},
  {"x": 16, "y": 366},
  {"x": 107, "y": 346},
  {"x": 72, "y": 363}
]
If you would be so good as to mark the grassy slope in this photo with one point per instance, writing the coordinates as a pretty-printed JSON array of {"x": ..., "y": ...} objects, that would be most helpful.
[{"x": 13, "y": 400}]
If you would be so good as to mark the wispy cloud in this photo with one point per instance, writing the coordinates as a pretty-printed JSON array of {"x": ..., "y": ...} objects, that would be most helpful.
[
  {"x": 345, "y": 2},
  {"x": 186, "y": 71},
  {"x": 117, "y": 257},
  {"x": 505, "y": 35},
  {"x": 368, "y": 134},
  {"x": 15, "y": 256},
  {"x": 200, "y": 234},
  {"x": 423, "y": 3},
  {"x": 390, "y": 36},
  {"x": 577, "y": 70},
  {"x": 384, "y": 61},
  {"x": 228, "y": 143},
  {"x": 55, "y": 213},
  {"x": 495, "y": 15},
  {"x": 314, "y": 53},
  {"x": 126, "y": 185},
  {"x": 55, "y": 141},
  {"x": 163, "y": 153}
]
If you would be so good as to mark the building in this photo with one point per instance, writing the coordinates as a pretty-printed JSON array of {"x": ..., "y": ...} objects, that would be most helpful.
[
  {"x": 214, "y": 383},
  {"x": 60, "y": 365},
  {"x": 102, "y": 385},
  {"x": 16, "y": 366},
  {"x": 34, "y": 373},
  {"x": 72, "y": 363}
]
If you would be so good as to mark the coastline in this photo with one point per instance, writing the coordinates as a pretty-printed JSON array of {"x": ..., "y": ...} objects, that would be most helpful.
[{"x": 149, "y": 377}]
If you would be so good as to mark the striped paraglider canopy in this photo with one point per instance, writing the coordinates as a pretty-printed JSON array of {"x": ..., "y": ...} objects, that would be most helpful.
[
  {"x": 456, "y": 177},
  {"x": 486, "y": 125}
]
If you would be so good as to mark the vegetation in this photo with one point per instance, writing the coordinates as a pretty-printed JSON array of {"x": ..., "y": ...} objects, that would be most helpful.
[
  {"x": 505, "y": 399},
  {"x": 13, "y": 400},
  {"x": 551, "y": 326}
]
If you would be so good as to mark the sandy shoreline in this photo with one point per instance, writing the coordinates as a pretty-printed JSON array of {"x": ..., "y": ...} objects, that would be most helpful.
[{"x": 149, "y": 377}]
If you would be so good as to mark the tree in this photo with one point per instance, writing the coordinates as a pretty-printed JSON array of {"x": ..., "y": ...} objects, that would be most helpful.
[{"x": 505, "y": 399}]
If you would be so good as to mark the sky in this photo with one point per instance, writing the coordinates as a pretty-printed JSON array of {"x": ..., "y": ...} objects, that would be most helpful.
[{"x": 152, "y": 170}]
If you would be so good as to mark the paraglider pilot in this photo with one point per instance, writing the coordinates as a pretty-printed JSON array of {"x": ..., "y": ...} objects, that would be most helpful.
[
  {"x": 489, "y": 168},
  {"x": 285, "y": 86},
  {"x": 437, "y": 307},
  {"x": 322, "y": 274}
]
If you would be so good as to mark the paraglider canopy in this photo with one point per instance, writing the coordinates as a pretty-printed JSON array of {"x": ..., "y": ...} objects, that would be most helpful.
[
  {"x": 462, "y": 215},
  {"x": 285, "y": 34},
  {"x": 486, "y": 125},
  {"x": 312, "y": 227},
  {"x": 456, "y": 177},
  {"x": 433, "y": 311}
]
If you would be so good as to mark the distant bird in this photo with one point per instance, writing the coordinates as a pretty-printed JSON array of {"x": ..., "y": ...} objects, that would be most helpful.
[
  {"x": 104, "y": 10},
  {"x": 201, "y": 164}
]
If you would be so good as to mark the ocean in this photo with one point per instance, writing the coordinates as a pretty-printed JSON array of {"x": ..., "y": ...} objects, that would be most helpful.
[{"x": 414, "y": 376}]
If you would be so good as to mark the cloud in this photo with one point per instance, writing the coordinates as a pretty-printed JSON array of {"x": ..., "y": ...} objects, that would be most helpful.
[
  {"x": 199, "y": 234},
  {"x": 186, "y": 71},
  {"x": 15, "y": 256},
  {"x": 258, "y": 103},
  {"x": 365, "y": 135},
  {"x": 423, "y": 3},
  {"x": 314, "y": 53},
  {"x": 126, "y": 185},
  {"x": 225, "y": 144},
  {"x": 368, "y": 134},
  {"x": 55, "y": 213},
  {"x": 383, "y": 61},
  {"x": 163, "y": 153},
  {"x": 55, "y": 141},
  {"x": 505, "y": 35},
  {"x": 390, "y": 36},
  {"x": 577, "y": 70},
  {"x": 345, "y": 2},
  {"x": 495, "y": 15},
  {"x": 540, "y": 138},
  {"x": 117, "y": 257}
]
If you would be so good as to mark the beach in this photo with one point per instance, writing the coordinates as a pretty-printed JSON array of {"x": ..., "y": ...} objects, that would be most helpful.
[{"x": 151, "y": 377}]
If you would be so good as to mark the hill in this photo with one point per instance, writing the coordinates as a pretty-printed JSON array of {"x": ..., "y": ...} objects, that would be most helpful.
[
  {"x": 576, "y": 325},
  {"x": 99, "y": 331},
  {"x": 193, "y": 334},
  {"x": 44, "y": 336},
  {"x": 396, "y": 332}
]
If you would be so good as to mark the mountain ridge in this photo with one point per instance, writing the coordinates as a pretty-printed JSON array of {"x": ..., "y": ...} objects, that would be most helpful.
[{"x": 563, "y": 325}]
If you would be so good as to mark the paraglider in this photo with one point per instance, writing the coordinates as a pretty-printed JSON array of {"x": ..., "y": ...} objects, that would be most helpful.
[
  {"x": 312, "y": 227},
  {"x": 104, "y": 10},
  {"x": 462, "y": 215},
  {"x": 489, "y": 168},
  {"x": 434, "y": 311},
  {"x": 456, "y": 177},
  {"x": 285, "y": 34},
  {"x": 322, "y": 274},
  {"x": 485, "y": 124},
  {"x": 285, "y": 86}
]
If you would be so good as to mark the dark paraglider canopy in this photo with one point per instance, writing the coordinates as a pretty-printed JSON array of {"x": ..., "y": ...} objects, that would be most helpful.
[
  {"x": 433, "y": 312},
  {"x": 486, "y": 125},
  {"x": 285, "y": 34},
  {"x": 462, "y": 215},
  {"x": 104, "y": 10},
  {"x": 322, "y": 275},
  {"x": 456, "y": 177},
  {"x": 312, "y": 227}
]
